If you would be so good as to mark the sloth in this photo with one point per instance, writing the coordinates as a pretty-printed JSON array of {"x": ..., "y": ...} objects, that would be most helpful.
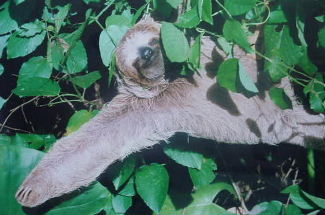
[{"x": 150, "y": 108}]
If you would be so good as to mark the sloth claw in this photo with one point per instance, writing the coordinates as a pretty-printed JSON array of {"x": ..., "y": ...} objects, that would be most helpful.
[
  {"x": 27, "y": 197},
  {"x": 32, "y": 192}
]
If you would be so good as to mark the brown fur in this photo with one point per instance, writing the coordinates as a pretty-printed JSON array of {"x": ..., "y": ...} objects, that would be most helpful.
[{"x": 140, "y": 116}]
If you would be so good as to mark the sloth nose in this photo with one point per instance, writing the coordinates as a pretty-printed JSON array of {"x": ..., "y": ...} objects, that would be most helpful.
[{"x": 146, "y": 53}]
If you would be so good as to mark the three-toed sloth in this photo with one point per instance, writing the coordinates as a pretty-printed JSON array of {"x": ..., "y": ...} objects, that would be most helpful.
[{"x": 150, "y": 108}]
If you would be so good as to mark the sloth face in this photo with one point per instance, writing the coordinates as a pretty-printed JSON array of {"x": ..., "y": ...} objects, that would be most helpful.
[{"x": 139, "y": 56}]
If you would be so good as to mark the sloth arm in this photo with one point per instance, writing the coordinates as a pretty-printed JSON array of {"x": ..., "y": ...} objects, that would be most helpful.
[{"x": 78, "y": 159}]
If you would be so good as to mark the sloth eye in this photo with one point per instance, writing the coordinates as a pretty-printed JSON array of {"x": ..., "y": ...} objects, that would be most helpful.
[{"x": 146, "y": 53}]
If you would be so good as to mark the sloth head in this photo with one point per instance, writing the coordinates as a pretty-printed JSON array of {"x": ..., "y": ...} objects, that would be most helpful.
[{"x": 138, "y": 56}]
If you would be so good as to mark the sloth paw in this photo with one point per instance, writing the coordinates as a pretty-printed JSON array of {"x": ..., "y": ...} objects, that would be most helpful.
[
  {"x": 27, "y": 196},
  {"x": 32, "y": 192}
]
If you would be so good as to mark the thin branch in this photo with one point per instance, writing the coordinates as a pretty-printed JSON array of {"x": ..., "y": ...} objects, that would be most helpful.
[{"x": 12, "y": 111}]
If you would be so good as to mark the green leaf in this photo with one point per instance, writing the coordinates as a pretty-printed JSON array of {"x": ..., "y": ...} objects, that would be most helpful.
[
  {"x": 272, "y": 40},
  {"x": 306, "y": 64},
  {"x": 207, "y": 11},
  {"x": 246, "y": 80},
  {"x": 78, "y": 119},
  {"x": 152, "y": 185},
  {"x": 56, "y": 55},
  {"x": 60, "y": 16},
  {"x": 7, "y": 24},
  {"x": 238, "y": 7},
  {"x": 227, "y": 74},
  {"x": 121, "y": 203},
  {"x": 280, "y": 98},
  {"x": 267, "y": 208},
  {"x": 316, "y": 93},
  {"x": 2, "y": 102},
  {"x": 321, "y": 36},
  {"x": 174, "y": 3},
  {"x": 316, "y": 200},
  {"x": 89, "y": 202},
  {"x": 22, "y": 46},
  {"x": 34, "y": 79},
  {"x": 184, "y": 155},
  {"x": 205, "y": 175},
  {"x": 199, "y": 7},
  {"x": 128, "y": 189},
  {"x": 292, "y": 209},
  {"x": 87, "y": 80},
  {"x": 195, "y": 52},
  {"x": 109, "y": 206},
  {"x": 3, "y": 43},
  {"x": 201, "y": 201},
  {"x": 138, "y": 14},
  {"x": 233, "y": 31},
  {"x": 288, "y": 50},
  {"x": 225, "y": 46},
  {"x": 36, "y": 86},
  {"x": 1, "y": 69},
  {"x": 19, "y": 1},
  {"x": 34, "y": 141},
  {"x": 36, "y": 67},
  {"x": 15, "y": 162},
  {"x": 77, "y": 59},
  {"x": 275, "y": 68},
  {"x": 31, "y": 29},
  {"x": 174, "y": 42},
  {"x": 276, "y": 17},
  {"x": 4, "y": 139},
  {"x": 118, "y": 20},
  {"x": 125, "y": 171},
  {"x": 108, "y": 40},
  {"x": 298, "y": 198},
  {"x": 189, "y": 19}
]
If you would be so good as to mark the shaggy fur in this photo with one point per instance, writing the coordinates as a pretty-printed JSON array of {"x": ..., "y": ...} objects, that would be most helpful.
[{"x": 149, "y": 108}]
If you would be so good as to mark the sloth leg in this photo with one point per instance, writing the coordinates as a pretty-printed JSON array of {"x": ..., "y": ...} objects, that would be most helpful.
[{"x": 77, "y": 160}]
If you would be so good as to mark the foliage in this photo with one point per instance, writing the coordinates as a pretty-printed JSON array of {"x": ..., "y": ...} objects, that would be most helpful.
[{"x": 50, "y": 39}]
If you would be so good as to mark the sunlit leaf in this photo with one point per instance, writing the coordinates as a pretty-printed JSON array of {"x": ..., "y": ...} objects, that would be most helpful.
[
  {"x": 152, "y": 185},
  {"x": 15, "y": 162},
  {"x": 266, "y": 208},
  {"x": 89, "y": 202},
  {"x": 280, "y": 98},
  {"x": 174, "y": 42},
  {"x": 108, "y": 40},
  {"x": 233, "y": 31},
  {"x": 78, "y": 119},
  {"x": 77, "y": 59},
  {"x": 1, "y": 69},
  {"x": 87, "y": 80},
  {"x": 207, "y": 11},
  {"x": 20, "y": 46},
  {"x": 2, "y": 102},
  {"x": 246, "y": 80},
  {"x": 3, "y": 43},
  {"x": 31, "y": 29},
  {"x": 184, "y": 155},
  {"x": 121, "y": 203},
  {"x": 118, "y": 20},
  {"x": 125, "y": 171},
  {"x": 201, "y": 201},
  {"x": 174, "y": 3},
  {"x": 238, "y": 7},
  {"x": 189, "y": 19},
  {"x": 227, "y": 75},
  {"x": 205, "y": 175}
]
